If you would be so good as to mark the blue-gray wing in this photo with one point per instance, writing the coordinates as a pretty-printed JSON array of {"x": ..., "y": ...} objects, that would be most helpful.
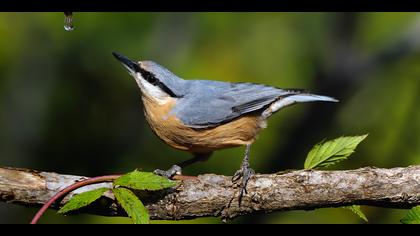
[{"x": 211, "y": 103}]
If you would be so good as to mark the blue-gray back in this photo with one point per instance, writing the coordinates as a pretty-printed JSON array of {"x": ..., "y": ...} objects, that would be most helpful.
[{"x": 210, "y": 103}]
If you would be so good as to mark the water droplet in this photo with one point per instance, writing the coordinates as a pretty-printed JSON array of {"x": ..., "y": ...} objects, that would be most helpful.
[
  {"x": 68, "y": 21},
  {"x": 68, "y": 27}
]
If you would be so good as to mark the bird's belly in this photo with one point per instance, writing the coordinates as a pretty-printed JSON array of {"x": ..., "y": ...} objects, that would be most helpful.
[{"x": 172, "y": 131}]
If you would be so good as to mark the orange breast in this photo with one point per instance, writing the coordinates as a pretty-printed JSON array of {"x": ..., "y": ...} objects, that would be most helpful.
[{"x": 171, "y": 130}]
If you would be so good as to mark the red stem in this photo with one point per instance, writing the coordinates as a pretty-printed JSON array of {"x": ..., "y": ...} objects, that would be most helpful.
[{"x": 94, "y": 180}]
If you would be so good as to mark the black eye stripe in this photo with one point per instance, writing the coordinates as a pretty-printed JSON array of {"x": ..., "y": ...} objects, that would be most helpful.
[{"x": 151, "y": 78}]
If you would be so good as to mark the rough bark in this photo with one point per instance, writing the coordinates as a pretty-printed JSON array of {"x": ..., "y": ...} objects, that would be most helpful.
[{"x": 215, "y": 195}]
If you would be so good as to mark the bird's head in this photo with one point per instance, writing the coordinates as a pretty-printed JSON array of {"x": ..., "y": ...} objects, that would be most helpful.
[{"x": 155, "y": 81}]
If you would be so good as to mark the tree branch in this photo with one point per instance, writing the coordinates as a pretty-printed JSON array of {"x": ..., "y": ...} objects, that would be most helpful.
[{"x": 215, "y": 195}]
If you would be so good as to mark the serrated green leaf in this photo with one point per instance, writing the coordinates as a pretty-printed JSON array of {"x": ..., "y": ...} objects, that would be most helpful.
[
  {"x": 331, "y": 152},
  {"x": 356, "y": 210},
  {"x": 132, "y": 205},
  {"x": 412, "y": 217},
  {"x": 81, "y": 200},
  {"x": 144, "y": 181}
]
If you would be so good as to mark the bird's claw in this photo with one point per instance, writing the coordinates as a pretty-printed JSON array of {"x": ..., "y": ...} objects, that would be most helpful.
[
  {"x": 174, "y": 170},
  {"x": 245, "y": 173}
]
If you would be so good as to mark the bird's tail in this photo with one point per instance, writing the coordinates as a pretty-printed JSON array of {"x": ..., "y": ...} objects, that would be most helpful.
[
  {"x": 308, "y": 97},
  {"x": 296, "y": 97}
]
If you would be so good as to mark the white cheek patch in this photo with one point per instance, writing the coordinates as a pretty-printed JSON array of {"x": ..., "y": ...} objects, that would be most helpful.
[{"x": 152, "y": 91}]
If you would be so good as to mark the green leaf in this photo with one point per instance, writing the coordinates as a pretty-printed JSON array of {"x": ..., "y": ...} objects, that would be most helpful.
[
  {"x": 144, "y": 181},
  {"x": 331, "y": 152},
  {"x": 132, "y": 205},
  {"x": 356, "y": 210},
  {"x": 412, "y": 217},
  {"x": 81, "y": 200}
]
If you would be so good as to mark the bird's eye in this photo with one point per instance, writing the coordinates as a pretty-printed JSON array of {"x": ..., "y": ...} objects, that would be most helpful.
[
  {"x": 151, "y": 79},
  {"x": 148, "y": 76}
]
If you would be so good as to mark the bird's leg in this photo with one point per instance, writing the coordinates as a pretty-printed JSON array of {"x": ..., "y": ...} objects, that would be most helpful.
[
  {"x": 177, "y": 169},
  {"x": 245, "y": 172}
]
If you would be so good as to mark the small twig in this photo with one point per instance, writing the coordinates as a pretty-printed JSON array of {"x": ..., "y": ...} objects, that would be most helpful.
[
  {"x": 79, "y": 184},
  {"x": 62, "y": 193}
]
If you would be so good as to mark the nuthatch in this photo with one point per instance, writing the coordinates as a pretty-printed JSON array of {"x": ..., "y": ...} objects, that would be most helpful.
[{"x": 201, "y": 116}]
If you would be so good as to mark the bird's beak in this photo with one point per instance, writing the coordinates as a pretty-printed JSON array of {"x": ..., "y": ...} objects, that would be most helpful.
[{"x": 132, "y": 66}]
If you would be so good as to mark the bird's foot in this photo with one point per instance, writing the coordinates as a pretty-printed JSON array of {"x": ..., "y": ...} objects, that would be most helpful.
[
  {"x": 174, "y": 170},
  {"x": 245, "y": 173}
]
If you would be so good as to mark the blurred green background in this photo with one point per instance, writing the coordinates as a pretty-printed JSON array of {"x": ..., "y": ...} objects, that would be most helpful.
[{"x": 66, "y": 105}]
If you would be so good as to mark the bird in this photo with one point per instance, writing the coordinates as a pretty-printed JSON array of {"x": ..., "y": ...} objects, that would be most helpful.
[{"x": 202, "y": 116}]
